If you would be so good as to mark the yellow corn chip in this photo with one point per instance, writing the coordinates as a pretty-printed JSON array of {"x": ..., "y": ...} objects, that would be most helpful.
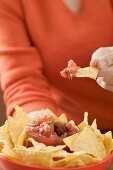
[
  {"x": 89, "y": 142},
  {"x": 17, "y": 125},
  {"x": 22, "y": 137},
  {"x": 42, "y": 113},
  {"x": 69, "y": 141},
  {"x": 80, "y": 159},
  {"x": 90, "y": 72},
  {"x": 4, "y": 134},
  {"x": 56, "y": 162},
  {"x": 72, "y": 122},
  {"x": 62, "y": 118},
  {"x": 94, "y": 124},
  {"x": 31, "y": 156},
  {"x": 108, "y": 142},
  {"x": 5, "y": 150},
  {"x": 20, "y": 114},
  {"x": 40, "y": 146},
  {"x": 55, "y": 148},
  {"x": 84, "y": 124}
]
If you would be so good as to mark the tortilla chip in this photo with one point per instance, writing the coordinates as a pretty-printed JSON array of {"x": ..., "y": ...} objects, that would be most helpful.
[
  {"x": 20, "y": 114},
  {"x": 4, "y": 134},
  {"x": 72, "y": 122},
  {"x": 89, "y": 142},
  {"x": 22, "y": 137},
  {"x": 16, "y": 125},
  {"x": 42, "y": 147},
  {"x": 80, "y": 158},
  {"x": 69, "y": 141},
  {"x": 84, "y": 124},
  {"x": 62, "y": 118},
  {"x": 49, "y": 112},
  {"x": 74, "y": 159},
  {"x": 38, "y": 146},
  {"x": 59, "y": 154},
  {"x": 45, "y": 112},
  {"x": 90, "y": 72},
  {"x": 31, "y": 156},
  {"x": 55, "y": 148},
  {"x": 94, "y": 124},
  {"x": 108, "y": 142},
  {"x": 5, "y": 150},
  {"x": 2, "y": 143}
]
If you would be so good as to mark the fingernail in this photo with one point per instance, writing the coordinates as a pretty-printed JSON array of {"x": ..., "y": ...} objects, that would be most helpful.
[
  {"x": 100, "y": 81},
  {"x": 103, "y": 64}
]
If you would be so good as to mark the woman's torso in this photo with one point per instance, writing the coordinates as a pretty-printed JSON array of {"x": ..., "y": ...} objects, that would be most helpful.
[{"x": 59, "y": 35}]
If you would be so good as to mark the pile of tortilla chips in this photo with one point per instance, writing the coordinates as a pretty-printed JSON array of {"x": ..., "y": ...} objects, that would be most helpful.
[{"x": 87, "y": 146}]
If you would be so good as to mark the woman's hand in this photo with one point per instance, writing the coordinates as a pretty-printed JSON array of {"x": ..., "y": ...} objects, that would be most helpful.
[{"x": 103, "y": 59}]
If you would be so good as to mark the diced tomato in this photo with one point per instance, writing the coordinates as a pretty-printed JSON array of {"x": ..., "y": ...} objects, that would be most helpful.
[
  {"x": 64, "y": 73},
  {"x": 53, "y": 140},
  {"x": 72, "y": 67},
  {"x": 72, "y": 132},
  {"x": 71, "y": 129},
  {"x": 44, "y": 129},
  {"x": 52, "y": 129},
  {"x": 68, "y": 126},
  {"x": 34, "y": 129}
]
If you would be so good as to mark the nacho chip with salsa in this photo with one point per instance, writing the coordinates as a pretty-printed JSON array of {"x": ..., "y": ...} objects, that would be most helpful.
[{"x": 72, "y": 70}]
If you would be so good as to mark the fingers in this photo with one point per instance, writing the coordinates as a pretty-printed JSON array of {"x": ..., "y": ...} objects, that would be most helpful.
[
  {"x": 105, "y": 61},
  {"x": 96, "y": 56},
  {"x": 103, "y": 84},
  {"x": 94, "y": 62},
  {"x": 102, "y": 58},
  {"x": 105, "y": 78},
  {"x": 107, "y": 74}
]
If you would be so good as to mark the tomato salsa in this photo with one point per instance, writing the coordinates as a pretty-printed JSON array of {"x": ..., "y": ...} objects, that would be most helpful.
[
  {"x": 70, "y": 70},
  {"x": 50, "y": 132}
]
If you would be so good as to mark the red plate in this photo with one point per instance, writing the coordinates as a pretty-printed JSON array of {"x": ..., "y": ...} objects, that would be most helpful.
[{"x": 7, "y": 164}]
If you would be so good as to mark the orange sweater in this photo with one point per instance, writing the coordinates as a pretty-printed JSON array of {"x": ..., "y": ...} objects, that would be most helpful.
[{"x": 37, "y": 38}]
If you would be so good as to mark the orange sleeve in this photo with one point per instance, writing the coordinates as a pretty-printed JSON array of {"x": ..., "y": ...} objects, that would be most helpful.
[{"x": 21, "y": 69}]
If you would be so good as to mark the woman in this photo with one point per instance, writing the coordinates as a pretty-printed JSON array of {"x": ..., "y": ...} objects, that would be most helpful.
[{"x": 38, "y": 37}]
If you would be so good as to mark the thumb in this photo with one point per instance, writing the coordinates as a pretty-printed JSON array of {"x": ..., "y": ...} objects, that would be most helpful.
[
  {"x": 93, "y": 62},
  {"x": 105, "y": 61}
]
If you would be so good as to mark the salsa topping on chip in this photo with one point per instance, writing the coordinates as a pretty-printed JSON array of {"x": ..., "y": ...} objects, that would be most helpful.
[
  {"x": 73, "y": 70},
  {"x": 70, "y": 70}
]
